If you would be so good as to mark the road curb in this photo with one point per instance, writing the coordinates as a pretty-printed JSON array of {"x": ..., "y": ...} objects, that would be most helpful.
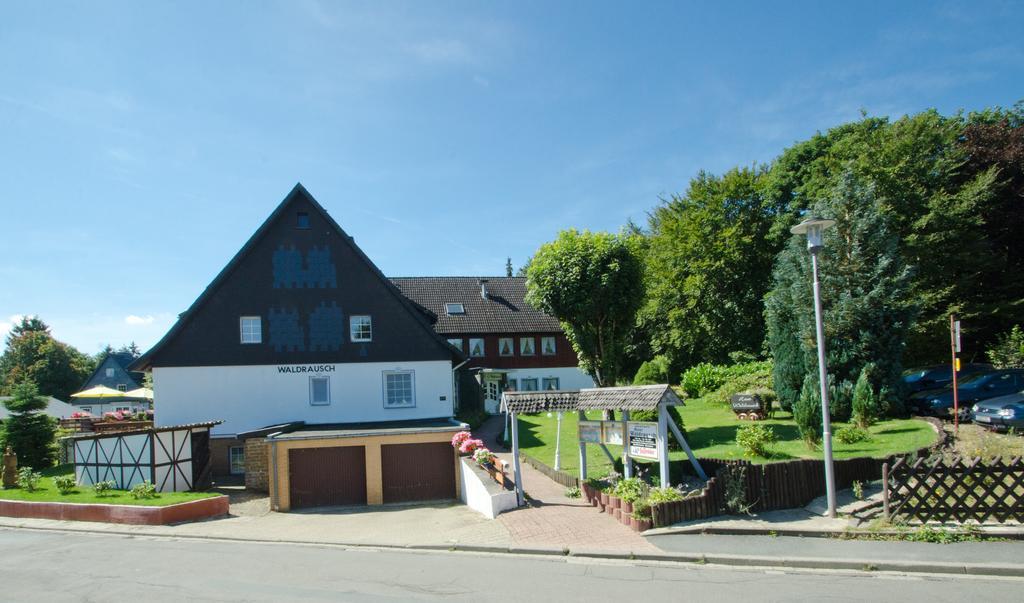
[
  {"x": 805, "y": 533},
  {"x": 753, "y": 561}
]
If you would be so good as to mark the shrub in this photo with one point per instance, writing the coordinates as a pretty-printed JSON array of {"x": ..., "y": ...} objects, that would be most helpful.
[
  {"x": 28, "y": 480},
  {"x": 653, "y": 372},
  {"x": 65, "y": 483},
  {"x": 641, "y": 510},
  {"x": 573, "y": 492},
  {"x": 663, "y": 495},
  {"x": 103, "y": 488},
  {"x": 807, "y": 411},
  {"x": 735, "y": 479},
  {"x": 852, "y": 434},
  {"x": 840, "y": 403},
  {"x": 749, "y": 377},
  {"x": 865, "y": 405},
  {"x": 701, "y": 379},
  {"x": 756, "y": 439},
  {"x": 143, "y": 490},
  {"x": 1008, "y": 352},
  {"x": 630, "y": 489}
]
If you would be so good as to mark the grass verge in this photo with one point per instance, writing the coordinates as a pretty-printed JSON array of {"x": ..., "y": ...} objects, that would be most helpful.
[{"x": 47, "y": 492}]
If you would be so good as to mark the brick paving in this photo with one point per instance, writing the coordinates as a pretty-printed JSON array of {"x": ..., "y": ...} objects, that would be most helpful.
[{"x": 552, "y": 519}]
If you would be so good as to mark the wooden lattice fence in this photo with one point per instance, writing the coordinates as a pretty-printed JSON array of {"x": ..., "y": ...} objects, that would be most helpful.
[{"x": 956, "y": 490}]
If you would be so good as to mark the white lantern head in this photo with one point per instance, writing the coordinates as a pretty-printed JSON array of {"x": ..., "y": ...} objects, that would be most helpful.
[{"x": 814, "y": 228}]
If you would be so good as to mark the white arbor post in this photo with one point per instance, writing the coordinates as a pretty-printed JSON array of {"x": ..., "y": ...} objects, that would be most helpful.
[
  {"x": 627, "y": 463},
  {"x": 663, "y": 445},
  {"x": 520, "y": 495},
  {"x": 582, "y": 416},
  {"x": 558, "y": 442}
]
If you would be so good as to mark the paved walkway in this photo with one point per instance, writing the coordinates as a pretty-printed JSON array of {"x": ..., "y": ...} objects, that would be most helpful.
[{"x": 552, "y": 519}]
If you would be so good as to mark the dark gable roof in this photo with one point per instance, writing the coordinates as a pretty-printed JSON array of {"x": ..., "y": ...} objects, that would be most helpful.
[
  {"x": 298, "y": 193},
  {"x": 505, "y": 310},
  {"x": 119, "y": 361}
]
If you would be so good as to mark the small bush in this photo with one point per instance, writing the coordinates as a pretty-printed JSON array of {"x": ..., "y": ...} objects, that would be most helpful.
[
  {"x": 865, "y": 404},
  {"x": 573, "y": 492},
  {"x": 1008, "y": 352},
  {"x": 750, "y": 377},
  {"x": 756, "y": 439},
  {"x": 840, "y": 400},
  {"x": 858, "y": 489},
  {"x": 630, "y": 489},
  {"x": 143, "y": 490},
  {"x": 735, "y": 479},
  {"x": 103, "y": 488},
  {"x": 65, "y": 483},
  {"x": 663, "y": 495},
  {"x": 807, "y": 412},
  {"x": 28, "y": 480},
  {"x": 701, "y": 379},
  {"x": 653, "y": 372},
  {"x": 641, "y": 510},
  {"x": 852, "y": 434}
]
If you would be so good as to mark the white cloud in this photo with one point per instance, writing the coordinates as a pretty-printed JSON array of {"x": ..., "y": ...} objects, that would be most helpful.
[
  {"x": 7, "y": 325},
  {"x": 132, "y": 319}
]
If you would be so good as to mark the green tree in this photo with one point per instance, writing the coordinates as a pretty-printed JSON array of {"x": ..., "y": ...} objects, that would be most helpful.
[
  {"x": 1008, "y": 352},
  {"x": 33, "y": 354},
  {"x": 865, "y": 290},
  {"x": 592, "y": 282},
  {"x": 865, "y": 404},
  {"x": 807, "y": 411},
  {"x": 28, "y": 430},
  {"x": 708, "y": 267},
  {"x": 653, "y": 372}
]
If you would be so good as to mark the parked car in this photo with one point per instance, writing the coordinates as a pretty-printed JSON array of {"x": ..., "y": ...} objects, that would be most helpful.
[
  {"x": 1002, "y": 413},
  {"x": 973, "y": 389},
  {"x": 940, "y": 375}
]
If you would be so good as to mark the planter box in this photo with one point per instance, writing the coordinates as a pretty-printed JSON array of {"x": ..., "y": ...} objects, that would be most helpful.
[
  {"x": 642, "y": 525},
  {"x": 615, "y": 502},
  {"x": 626, "y": 506},
  {"x": 107, "y": 426},
  {"x": 617, "y": 513},
  {"x": 193, "y": 510}
]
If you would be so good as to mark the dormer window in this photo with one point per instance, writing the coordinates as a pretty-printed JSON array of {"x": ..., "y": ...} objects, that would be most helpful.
[
  {"x": 302, "y": 220},
  {"x": 454, "y": 309}
]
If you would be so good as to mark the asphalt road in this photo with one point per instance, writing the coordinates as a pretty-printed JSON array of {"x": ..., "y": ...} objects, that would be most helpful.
[{"x": 62, "y": 566}]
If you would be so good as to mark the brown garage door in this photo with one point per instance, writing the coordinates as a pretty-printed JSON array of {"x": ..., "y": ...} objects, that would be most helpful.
[
  {"x": 321, "y": 477},
  {"x": 414, "y": 472}
]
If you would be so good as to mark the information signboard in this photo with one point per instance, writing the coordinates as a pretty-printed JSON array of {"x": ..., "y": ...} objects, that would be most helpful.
[
  {"x": 612, "y": 432},
  {"x": 643, "y": 440},
  {"x": 590, "y": 432}
]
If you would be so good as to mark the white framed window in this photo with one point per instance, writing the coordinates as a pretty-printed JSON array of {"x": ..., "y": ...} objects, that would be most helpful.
[
  {"x": 319, "y": 391},
  {"x": 506, "y": 347},
  {"x": 528, "y": 385},
  {"x": 236, "y": 459},
  {"x": 122, "y": 409},
  {"x": 399, "y": 389},
  {"x": 547, "y": 346},
  {"x": 86, "y": 409},
  {"x": 476, "y": 347},
  {"x": 526, "y": 346},
  {"x": 511, "y": 385},
  {"x": 454, "y": 309},
  {"x": 549, "y": 383},
  {"x": 121, "y": 387},
  {"x": 110, "y": 373},
  {"x": 361, "y": 328},
  {"x": 251, "y": 328},
  {"x": 456, "y": 343}
]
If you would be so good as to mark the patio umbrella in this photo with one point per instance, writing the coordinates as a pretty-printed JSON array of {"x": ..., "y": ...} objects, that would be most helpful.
[
  {"x": 100, "y": 391},
  {"x": 142, "y": 392}
]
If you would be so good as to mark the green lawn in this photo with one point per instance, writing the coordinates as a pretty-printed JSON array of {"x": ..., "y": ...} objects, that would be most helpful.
[
  {"x": 711, "y": 432},
  {"x": 47, "y": 492}
]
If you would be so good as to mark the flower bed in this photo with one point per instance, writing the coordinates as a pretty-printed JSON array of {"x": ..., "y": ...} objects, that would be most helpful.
[{"x": 193, "y": 510}]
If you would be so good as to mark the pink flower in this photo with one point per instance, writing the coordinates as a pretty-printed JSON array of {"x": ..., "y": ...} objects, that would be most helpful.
[
  {"x": 470, "y": 445},
  {"x": 459, "y": 438}
]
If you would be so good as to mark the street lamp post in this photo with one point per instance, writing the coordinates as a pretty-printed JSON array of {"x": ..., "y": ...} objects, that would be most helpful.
[{"x": 813, "y": 227}]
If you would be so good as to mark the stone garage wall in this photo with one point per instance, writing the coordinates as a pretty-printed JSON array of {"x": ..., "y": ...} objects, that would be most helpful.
[{"x": 256, "y": 464}]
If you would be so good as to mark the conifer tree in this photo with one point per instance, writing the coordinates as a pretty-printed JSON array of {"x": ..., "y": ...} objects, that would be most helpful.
[{"x": 28, "y": 430}]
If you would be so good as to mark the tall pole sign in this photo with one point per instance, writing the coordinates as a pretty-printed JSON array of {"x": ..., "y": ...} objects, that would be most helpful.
[{"x": 954, "y": 344}]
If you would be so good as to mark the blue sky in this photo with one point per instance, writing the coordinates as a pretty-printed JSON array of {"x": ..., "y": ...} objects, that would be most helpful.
[{"x": 141, "y": 144}]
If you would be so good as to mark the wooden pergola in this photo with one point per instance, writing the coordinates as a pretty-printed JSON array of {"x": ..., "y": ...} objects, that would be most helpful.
[{"x": 623, "y": 399}]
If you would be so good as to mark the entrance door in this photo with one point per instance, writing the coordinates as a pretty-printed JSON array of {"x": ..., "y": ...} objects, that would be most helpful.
[
  {"x": 492, "y": 395},
  {"x": 417, "y": 472},
  {"x": 321, "y": 477}
]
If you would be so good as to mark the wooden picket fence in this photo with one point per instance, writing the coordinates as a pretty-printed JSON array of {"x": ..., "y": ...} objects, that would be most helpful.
[
  {"x": 955, "y": 490},
  {"x": 560, "y": 477},
  {"x": 782, "y": 485}
]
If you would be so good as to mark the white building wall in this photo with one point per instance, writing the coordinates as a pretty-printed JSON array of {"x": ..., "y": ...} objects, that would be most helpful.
[
  {"x": 250, "y": 397},
  {"x": 569, "y": 377}
]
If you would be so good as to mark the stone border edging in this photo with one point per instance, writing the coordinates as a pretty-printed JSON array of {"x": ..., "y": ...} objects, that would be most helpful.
[
  {"x": 752, "y": 561},
  {"x": 193, "y": 510}
]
